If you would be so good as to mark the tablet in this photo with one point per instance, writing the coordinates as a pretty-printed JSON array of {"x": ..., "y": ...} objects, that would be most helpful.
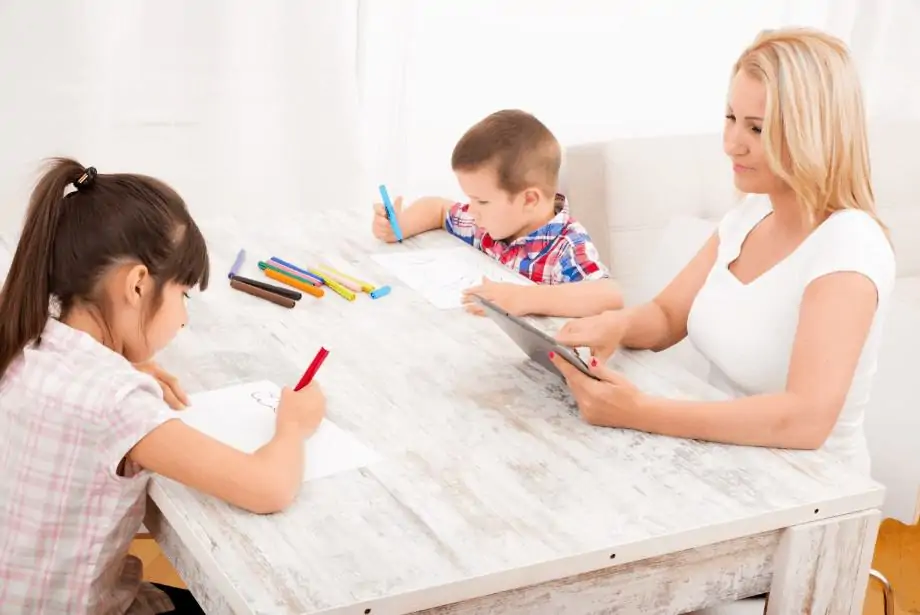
[{"x": 535, "y": 343}]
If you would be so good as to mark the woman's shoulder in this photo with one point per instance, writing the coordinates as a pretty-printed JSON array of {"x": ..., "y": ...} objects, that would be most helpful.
[
  {"x": 854, "y": 240},
  {"x": 746, "y": 213},
  {"x": 740, "y": 219}
]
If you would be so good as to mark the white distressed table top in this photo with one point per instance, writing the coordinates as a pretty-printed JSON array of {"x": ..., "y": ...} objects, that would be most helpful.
[{"x": 489, "y": 479}]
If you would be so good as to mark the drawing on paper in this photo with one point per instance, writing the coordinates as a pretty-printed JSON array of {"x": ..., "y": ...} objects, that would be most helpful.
[
  {"x": 268, "y": 399},
  {"x": 243, "y": 416},
  {"x": 441, "y": 276}
]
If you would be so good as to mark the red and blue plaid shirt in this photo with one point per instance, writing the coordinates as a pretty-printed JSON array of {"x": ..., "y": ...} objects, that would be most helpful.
[{"x": 558, "y": 252}]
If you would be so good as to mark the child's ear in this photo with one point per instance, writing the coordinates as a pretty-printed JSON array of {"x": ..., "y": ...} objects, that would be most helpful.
[
  {"x": 531, "y": 197},
  {"x": 137, "y": 284}
]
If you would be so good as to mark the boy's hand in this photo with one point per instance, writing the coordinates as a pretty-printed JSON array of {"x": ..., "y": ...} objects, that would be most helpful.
[
  {"x": 303, "y": 410},
  {"x": 173, "y": 394},
  {"x": 510, "y": 297},
  {"x": 381, "y": 226}
]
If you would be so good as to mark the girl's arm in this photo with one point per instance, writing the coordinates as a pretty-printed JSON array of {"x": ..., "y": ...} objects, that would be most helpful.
[
  {"x": 265, "y": 481},
  {"x": 262, "y": 482}
]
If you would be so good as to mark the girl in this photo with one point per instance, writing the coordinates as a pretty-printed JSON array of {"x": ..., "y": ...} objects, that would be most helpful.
[{"x": 98, "y": 282}]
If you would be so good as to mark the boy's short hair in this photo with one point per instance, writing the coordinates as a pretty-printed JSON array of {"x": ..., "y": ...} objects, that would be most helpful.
[{"x": 521, "y": 148}]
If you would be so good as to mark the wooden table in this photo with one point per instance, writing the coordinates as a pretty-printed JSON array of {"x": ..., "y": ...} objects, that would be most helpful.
[{"x": 492, "y": 496}]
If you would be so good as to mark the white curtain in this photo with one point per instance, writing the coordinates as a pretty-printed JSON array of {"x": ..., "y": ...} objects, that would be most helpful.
[
  {"x": 236, "y": 103},
  {"x": 590, "y": 69}
]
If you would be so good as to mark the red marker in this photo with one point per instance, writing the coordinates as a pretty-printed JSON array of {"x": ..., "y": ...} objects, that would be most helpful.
[{"x": 314, "y": 367}]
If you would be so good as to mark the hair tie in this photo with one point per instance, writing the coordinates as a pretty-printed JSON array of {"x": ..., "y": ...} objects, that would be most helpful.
[{"x": 86, "y": 180}]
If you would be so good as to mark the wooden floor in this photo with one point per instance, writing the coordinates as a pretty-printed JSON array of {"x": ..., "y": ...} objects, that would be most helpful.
[{"x": 897, "y": 556}]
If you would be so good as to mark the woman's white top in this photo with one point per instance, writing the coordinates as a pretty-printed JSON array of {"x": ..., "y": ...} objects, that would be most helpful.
[{"x": 746, "y": 331}]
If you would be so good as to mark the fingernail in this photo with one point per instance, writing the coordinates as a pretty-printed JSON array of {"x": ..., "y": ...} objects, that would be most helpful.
[
  {"x": 552, "y": 355},
  {"x": 593, "y": 362}
]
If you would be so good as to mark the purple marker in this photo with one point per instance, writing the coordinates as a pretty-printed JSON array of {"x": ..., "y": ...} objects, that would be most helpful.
[{"x": 237, "y": 264}]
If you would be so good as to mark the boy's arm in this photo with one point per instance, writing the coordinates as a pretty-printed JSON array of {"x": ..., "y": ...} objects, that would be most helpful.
[
  {"x": 572, "y": 284},
  {"x": 425, "y": 214},
  {"x": 579, "y": 285},
  {"x": 572, "y": 299}
]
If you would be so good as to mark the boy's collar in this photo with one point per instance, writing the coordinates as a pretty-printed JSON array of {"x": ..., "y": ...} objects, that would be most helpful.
[{"x": 538, "y": 240}]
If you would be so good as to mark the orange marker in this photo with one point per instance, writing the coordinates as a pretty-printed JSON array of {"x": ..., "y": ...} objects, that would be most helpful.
[{"x": 294, "y": 282}]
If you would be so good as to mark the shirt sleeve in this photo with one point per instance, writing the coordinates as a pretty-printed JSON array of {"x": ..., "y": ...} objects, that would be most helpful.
[
  {"x": 459, "y": 223},
  {"x": 853, "y": 241},
  {"x": 139, "y": 409},
  {"x": 579, "y": 261}
]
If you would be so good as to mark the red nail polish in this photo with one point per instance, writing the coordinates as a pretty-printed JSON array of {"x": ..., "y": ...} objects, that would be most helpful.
[
  {"x": 552, "y": 355},
  {"x": 593, "y": 362}
]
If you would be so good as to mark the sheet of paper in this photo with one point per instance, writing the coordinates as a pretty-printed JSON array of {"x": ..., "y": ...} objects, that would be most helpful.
[
  {"x": 441, "y": 276},
  {"x": 243, "y": 417}
]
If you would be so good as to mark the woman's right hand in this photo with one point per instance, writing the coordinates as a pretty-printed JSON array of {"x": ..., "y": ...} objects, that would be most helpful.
[
  {"x": 302, "y": 410},
  {"x": 601, "y": 333}
]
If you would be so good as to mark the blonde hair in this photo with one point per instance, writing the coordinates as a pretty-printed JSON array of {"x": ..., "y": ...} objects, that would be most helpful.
[{"x": 814, "y": 132}]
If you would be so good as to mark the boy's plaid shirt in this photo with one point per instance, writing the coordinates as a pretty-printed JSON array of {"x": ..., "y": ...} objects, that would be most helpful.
[{"x": 560, "y": 251}]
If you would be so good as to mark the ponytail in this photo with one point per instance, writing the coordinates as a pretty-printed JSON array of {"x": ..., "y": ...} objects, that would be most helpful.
[{"x": 26, "y": 294}]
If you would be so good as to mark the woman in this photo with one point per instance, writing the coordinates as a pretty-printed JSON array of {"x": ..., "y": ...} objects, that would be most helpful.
[{"x": 788, "y": 297}]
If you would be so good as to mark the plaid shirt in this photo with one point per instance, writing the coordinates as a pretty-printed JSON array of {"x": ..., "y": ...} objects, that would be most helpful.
[
  {"x": 71, "y": 410},
  {"x": 558, "y": 252}
]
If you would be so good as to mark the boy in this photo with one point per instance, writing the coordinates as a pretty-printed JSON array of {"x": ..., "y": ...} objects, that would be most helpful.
[{"x": 508, "y": 166}]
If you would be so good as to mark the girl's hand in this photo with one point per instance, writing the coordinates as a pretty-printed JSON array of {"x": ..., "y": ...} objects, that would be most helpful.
[
  {"x": 612, "y": 401},
  {"x": 601, "y": 333},
  {"x": 302, "y": 410},
  {"x": 172, "y": 392}
]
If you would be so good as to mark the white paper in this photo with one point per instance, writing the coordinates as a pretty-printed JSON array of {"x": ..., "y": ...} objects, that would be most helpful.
[
  {"x": 243, "y": 417},
  {"x": 441, "y": 276}
]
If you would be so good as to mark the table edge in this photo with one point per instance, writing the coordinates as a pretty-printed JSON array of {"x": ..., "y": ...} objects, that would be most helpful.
[{"x": 541, "y": 572}]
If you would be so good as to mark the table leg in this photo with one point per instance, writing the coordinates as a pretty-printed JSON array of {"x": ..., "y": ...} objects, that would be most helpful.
[{"x": 823, "y": 567}]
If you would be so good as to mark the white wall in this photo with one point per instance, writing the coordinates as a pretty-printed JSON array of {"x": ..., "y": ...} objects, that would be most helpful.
[
  {"x": 590, "y": 69},
  {"x": 235, "y": 103}
]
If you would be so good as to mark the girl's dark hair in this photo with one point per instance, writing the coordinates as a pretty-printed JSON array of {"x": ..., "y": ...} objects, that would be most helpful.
[{"x": 69, "y": 241}]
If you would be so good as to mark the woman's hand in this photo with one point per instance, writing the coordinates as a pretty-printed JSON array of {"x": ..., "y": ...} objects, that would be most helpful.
[
  {"x": 601, "y": 333},
  {"x": 611, "y": 401},
  {"x": 173, "y": 394}
]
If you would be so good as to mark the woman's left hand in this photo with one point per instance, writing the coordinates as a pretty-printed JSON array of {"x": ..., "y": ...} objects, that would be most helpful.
[
  {"x": 172, "y": 392},
  {"x": 611, "y": 401}
]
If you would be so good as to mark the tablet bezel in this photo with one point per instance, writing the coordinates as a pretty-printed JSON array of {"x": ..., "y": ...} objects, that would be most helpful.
[{"x": 535, "y": 343}]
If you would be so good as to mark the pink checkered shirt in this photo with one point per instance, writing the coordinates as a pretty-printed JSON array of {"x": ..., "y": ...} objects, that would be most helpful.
[
  {"x": 70, "y": 409},
  {"x": 558, "y": 252}
]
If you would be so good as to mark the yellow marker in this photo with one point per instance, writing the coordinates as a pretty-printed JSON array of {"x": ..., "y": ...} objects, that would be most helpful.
[
  {"x": 333, "y": 285},
  {"x": 339, "y": 279},
  {"x": 365, "y": 286}
]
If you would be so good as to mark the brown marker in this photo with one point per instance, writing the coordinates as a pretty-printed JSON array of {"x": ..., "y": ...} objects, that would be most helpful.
[{"x": 262, "y": 294}]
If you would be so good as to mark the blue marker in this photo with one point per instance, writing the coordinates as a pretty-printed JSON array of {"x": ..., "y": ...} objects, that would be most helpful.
[
  {"x": 391, "y": 213},
  {"x": 237, "y": 264},
  {"x": 383, "y": 291},
  {"x": 303, "y": 272}
]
